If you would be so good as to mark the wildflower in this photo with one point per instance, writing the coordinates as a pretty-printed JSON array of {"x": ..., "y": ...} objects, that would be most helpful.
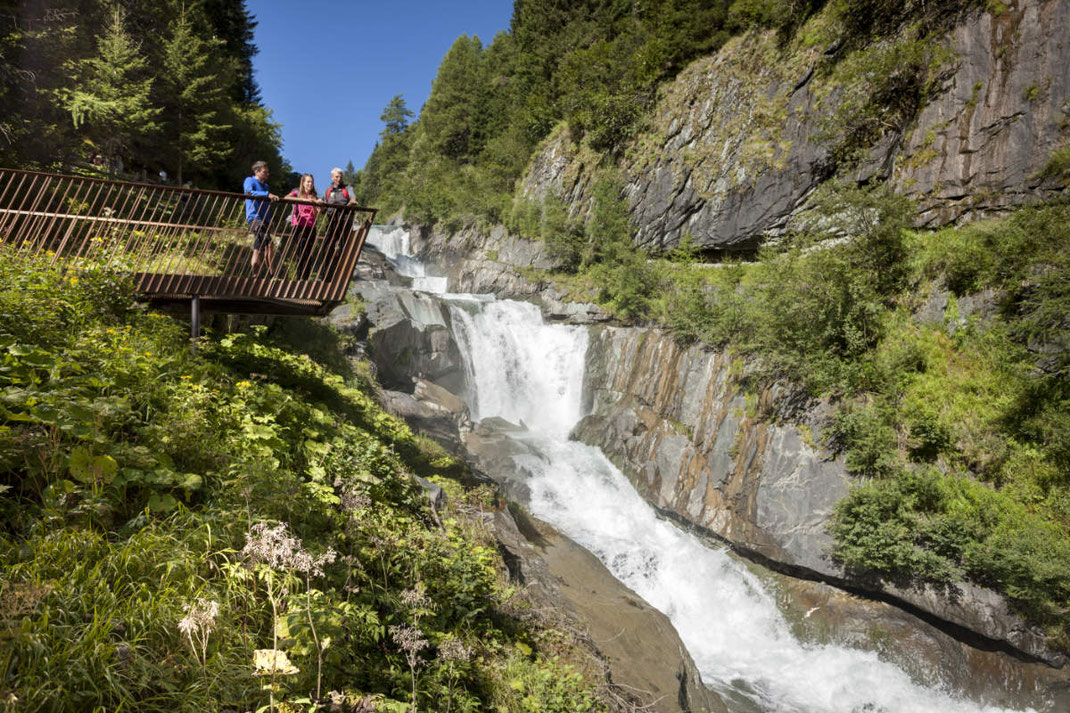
[
  {"x": 244, "y": 384},
  {"x": 276, "y": 548},
  {"x": 416, "y": 599},
  {"x": 197, "y": 625},
  {"x": 304, "y": 562},
  {"x": 272, "y": 546},
  {"x": 453, "y": 649},
  {"x": 410, "y": 639},
  {"x": 200, "y": 617}
]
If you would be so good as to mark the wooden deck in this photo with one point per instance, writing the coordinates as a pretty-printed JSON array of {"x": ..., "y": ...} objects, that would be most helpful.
[{"x": 183, "y": 246}]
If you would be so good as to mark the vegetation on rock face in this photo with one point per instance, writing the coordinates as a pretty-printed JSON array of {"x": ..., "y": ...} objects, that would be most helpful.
[
  {"x": 946, "y": 352},
  {"x": 234, "y": 529},
  {"x": 147, "y": 86},
  {"x": 948, "y": 357},
  {"x": 598, "y": 67}
]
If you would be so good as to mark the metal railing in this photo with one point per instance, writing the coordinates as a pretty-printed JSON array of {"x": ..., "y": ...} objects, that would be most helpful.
[{"x": 181, "y": 243}]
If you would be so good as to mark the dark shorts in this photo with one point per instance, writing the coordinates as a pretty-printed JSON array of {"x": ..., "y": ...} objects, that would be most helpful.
[{"x": 259, "y": 230}]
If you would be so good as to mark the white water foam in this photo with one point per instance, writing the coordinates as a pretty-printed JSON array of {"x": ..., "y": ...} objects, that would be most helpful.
[
  {"x": 519, "y": 368},
  {"x": 523, "y": 370}
]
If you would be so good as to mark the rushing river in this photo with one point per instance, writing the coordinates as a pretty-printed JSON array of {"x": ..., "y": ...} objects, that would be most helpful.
[{"x": 531, "y": 373}]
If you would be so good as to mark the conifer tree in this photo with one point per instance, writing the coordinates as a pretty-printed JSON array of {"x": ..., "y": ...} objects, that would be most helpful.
[
  {"x": 193, "y": 100},
  {"x": 110, "y": 101},
  {"x": 448, "y": 114},
  {"x": 395, "y": 116}
]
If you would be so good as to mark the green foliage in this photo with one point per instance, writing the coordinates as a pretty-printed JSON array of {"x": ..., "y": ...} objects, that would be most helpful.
[
  {"x": 137, "y": 479},
  {"x": 195, "y": 99},
  {"x": 987, "y": 401},
  {"x": 111, "y": 97},
  {"x": 447, "y": 124},
  {"x": 625, "y": 279},
  {"x": 957, "y": 427},
  {"x": 395, "y": 116},
  {"x": 149, "y": 86},
  {"x": 595, "y": 65},
  {"x": 1058, "y": 165},
  {"x": 922, "y": 524}
]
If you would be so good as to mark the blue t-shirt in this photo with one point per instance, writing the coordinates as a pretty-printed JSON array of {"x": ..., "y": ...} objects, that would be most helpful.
[{"x": 255, "y": 209}]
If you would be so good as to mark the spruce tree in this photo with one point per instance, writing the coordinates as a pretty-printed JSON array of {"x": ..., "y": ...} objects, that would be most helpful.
[
  {"x": 193, "y": 99},
  {"x": 111, "y": 101},
  {"x": 447, "y": 118},
  {"x": 395, "y": 116}
]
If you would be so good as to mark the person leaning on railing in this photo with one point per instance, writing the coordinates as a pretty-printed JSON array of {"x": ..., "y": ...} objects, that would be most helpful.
[
  {"x": 304, "y": 222},
  {"x": 338, "y": 221},
  {"x": 257, "y": 215}
]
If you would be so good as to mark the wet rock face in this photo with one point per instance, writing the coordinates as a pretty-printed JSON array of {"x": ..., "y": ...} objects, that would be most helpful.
[
  {"x": 411, "y": 338},
  {"x": 740, "y": 139},
  {"x": 494, "y": 263},
  {"x": 675, "y": 422},
  {"x": 820, "y": 614},
  {"x": 642, "y": 652}
]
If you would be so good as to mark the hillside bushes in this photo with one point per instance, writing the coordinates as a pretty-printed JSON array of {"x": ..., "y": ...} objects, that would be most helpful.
[{"x": 234, "y": 529}]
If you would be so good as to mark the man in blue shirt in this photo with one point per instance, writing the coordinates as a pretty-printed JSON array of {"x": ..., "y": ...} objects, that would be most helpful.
[{"x": 258, "y": 216}]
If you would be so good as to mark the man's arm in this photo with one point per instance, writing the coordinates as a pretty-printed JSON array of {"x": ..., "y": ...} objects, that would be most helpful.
[{"x": 250, "y": 190}]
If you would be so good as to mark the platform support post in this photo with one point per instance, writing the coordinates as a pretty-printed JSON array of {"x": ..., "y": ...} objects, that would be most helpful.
[{"x": 195, "y": 320}]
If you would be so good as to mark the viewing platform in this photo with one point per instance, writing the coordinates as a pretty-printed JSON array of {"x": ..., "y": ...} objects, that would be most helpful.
[{"x": 184, "y": 246}]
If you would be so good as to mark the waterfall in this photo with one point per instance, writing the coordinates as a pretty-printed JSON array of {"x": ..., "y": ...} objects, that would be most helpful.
[
  {"x": 525, "y": 371},
  {"x": 518, "y": 368},
  {"x": 394, "y": 244}
]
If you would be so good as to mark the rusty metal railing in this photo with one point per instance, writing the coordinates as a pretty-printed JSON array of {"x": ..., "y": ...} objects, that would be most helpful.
[{"x": 181, "y": 243}]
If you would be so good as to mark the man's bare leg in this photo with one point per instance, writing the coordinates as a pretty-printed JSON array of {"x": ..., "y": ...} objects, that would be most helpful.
[{"x": 269, "y": 259}]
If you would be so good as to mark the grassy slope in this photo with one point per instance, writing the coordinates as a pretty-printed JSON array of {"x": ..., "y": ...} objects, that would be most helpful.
[{"x": 134, "y": 473}]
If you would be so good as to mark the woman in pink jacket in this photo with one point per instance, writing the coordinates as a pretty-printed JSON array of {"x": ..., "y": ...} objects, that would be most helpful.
[{"x": 304, "y": 224}]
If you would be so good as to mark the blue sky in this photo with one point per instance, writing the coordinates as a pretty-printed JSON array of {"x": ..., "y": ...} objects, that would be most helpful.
[{"x": 328, "y": 69}]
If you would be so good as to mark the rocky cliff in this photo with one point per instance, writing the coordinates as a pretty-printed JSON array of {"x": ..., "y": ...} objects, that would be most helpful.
[
  {"x": 745, "y": 468},
  {"x": 740, "y": 139},
  {"x": 751, "y": 469}
]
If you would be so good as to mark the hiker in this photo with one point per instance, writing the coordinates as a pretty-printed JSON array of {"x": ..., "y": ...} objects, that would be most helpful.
[
  {"x": 304, "y": 222},
  {"x": 339, "y": 222},
  {"x": 257, "y": 215}
]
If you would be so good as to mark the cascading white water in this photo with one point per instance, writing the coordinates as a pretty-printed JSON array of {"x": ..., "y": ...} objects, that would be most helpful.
[
  {"x": 394, "y": 244},
  {"x": 521, "y": 369}
]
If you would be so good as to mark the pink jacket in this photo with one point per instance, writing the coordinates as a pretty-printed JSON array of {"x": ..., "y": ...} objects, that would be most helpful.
[{"x": 304, "y": 216}]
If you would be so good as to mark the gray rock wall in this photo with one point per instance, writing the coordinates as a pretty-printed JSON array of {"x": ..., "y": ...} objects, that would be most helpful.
[
  {"x": 740, "y": 139},
  {"x": 496, "y": 262},
  {"x": 749, "y": 469},
  {"x": 980, "y": 143},
  {"x": 674, "y": 421}
]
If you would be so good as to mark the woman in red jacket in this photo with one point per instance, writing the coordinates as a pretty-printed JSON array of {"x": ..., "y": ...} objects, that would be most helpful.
[{"x": 304, "y": 224}]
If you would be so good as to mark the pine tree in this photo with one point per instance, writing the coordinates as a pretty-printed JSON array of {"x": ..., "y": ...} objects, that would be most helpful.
[
  {"x": 193, "y": 99},
  {"x": 232, "y": 23},
  {"x": 447, "y": 117},
  {"x": 349, "y": 175},
  {"x": 110, "y": 101},
  {"x": 396, "y": 116}
]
